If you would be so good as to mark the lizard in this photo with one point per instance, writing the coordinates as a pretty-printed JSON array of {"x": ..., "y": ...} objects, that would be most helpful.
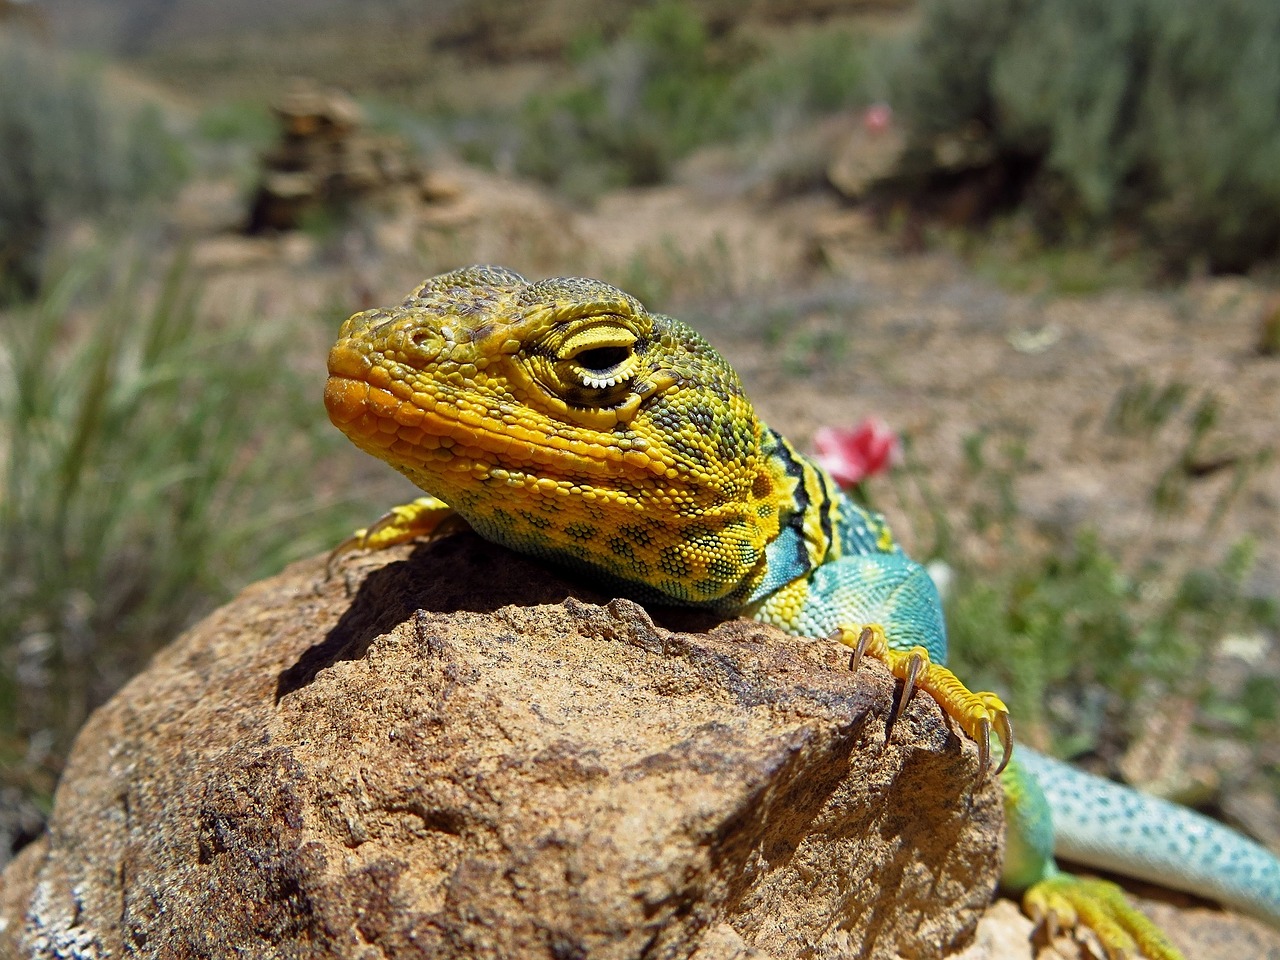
[{"x": 564, "y": 420}]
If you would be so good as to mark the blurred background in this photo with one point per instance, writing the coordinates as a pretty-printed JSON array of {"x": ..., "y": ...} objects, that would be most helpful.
[{"x": 1040, "y": 239}]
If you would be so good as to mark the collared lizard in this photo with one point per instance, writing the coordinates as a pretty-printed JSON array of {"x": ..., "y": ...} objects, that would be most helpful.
[{"x": 564, "y": 420}]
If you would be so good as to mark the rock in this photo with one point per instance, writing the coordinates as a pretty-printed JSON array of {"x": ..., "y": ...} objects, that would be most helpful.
[
  {"x": 437, "y": 187},
  {"x": 1004, "y": 933},
  {"x": 447, "y": 751},
  {"x": 324, "y": 161},
  {"x": 864, "y": 159},
  {"x": 1209, "y": 932}
]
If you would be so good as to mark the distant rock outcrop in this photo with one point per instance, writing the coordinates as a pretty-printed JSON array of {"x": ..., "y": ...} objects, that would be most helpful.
[
  {"x": 324, "y": 160},
  {"x": 447, "y": 751}
]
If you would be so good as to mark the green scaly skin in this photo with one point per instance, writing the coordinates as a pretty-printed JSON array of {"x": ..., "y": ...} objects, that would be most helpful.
[{"x": 563, "y": 420}]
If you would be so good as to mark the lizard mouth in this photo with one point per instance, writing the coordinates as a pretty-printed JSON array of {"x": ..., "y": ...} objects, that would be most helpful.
[
  {"x": 440, "y": 439},
  {"x": 385, "y": 418}
]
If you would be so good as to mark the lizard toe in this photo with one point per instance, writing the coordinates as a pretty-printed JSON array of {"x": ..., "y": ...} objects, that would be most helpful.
[
  {"x": 424, "y": 517},
  {"x": 979, "y": 714},
  {"x": 1065, "y": 902}
]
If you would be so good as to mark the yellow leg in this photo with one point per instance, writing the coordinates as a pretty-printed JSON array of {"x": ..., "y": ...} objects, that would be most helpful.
[
  {"x": 1068, "y": 902},
  {"x": 977, "y": 713},
  {"x": 424, "y": 517}
]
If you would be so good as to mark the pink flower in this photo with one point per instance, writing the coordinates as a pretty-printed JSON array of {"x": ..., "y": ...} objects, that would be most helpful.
[
  {"x": 851, "y": 454},
  {"x": 877, "y": 118}
]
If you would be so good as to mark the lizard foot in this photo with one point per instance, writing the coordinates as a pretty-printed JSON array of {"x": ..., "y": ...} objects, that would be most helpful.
[
  {"x": 423, "y": 517},
  {"x": 977, "y": 713},
  {"x": 1067, "y": 902}
]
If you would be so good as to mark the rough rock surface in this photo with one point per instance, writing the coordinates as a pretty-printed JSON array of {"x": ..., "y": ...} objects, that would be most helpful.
[{"x": 447, "y": 751}]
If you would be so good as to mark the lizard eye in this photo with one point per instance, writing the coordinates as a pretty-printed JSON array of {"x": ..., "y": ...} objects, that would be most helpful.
[
  {"x": 600, "y": 368},
  {"x": 599, "y": 357},
  {"x": 592, "y": 363},
  {"x": 601, "y": 360}
]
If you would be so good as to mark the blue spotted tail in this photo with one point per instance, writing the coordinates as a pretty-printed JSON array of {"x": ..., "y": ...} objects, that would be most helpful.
[{"x": 1107, "y": 826}]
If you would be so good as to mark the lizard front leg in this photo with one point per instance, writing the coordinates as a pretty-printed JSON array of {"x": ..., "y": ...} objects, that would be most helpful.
[
  {"x": 424, "y": 517},
  {"x": 884, "y": 605},
  {"x": 979, "y": 714}
]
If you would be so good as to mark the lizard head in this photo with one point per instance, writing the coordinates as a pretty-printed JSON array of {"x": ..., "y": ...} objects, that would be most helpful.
[{"x": 562, "y": 418}]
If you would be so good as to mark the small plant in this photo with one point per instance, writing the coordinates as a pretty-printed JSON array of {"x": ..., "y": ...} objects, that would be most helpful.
[
  {"x": 1080, "y": 640},
  {"x": 996, "y": 476},
  {"x": 806, "y": 351},
  {"x": 1141, "y": 407},
  {"x": 65, "y": 152},
  {"x": 1153, "y": 114},
  {"x": 1083, "y": 639},
  {"x": 1013, "y": 252},
  {"x": 664, "y": 87},
  {"x": 1269, "y": 329},
  {"x": 655, "y": 272},
  {"x": 238, "y": 122},
  {"x": 149, "y": 465}
]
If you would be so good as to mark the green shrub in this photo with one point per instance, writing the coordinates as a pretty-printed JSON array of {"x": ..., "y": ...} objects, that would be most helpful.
[
  {"x": 824, "y": 72},
  {"x": 1155, "y": 113},
  {"x": 665, "y": 87},
  {"x": 942, "y": 81},
  {"x": 631, "y": 108},
  {"x": 65, "y": 152},
  {"x": 149, "y": 465}
]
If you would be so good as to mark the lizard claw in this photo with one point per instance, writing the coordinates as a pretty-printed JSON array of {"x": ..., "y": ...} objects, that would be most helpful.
[
  {"x": 1004, "y": 731},
  {"x": 909, "y": 681},
  {"x": 983, "y": 740},
  {"x": 350, "y": 545},
  {"x": 979, "y": 714}
]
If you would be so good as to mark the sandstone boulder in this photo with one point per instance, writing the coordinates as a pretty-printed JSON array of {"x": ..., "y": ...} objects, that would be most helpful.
[{"x": 447, "y": 751}]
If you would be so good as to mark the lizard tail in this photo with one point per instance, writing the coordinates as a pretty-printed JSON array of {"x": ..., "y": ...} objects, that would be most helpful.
[{"x": 1104, "y": 825}]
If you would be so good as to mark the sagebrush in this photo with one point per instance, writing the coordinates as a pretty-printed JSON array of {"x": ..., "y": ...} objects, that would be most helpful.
[
  {"x": 150, "y": 464},
  {"x": 67, "y": 153},
  {"x": 1155, "y": 114}
]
